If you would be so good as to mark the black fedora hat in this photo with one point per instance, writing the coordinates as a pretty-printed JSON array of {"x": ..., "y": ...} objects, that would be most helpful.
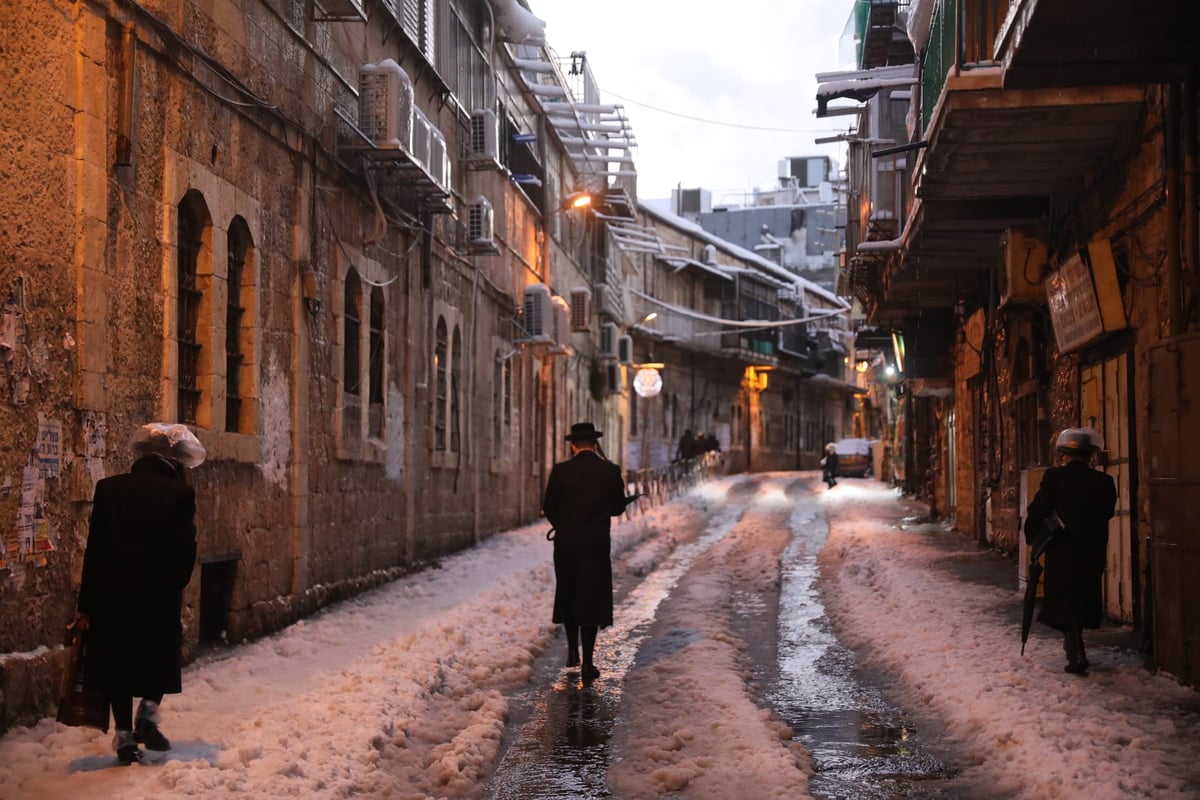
[{"x": 583, "y": 432}]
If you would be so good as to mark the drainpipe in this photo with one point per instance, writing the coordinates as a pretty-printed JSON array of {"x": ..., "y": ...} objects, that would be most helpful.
[{"x": 1171, "y": 136}]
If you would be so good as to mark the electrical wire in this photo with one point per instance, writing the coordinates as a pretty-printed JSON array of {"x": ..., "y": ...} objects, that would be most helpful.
[{"x": 706, "y": 121}]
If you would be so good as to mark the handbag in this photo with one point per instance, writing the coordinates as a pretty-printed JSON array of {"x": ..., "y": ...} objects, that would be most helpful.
[{"x": 79, "y": 707}]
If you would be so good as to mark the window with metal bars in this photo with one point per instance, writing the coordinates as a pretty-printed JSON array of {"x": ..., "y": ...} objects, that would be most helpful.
[
  {"x": 192, "y": 222},
  {"x": 456, "y": 357},
  {"x": 351, "y": 327},
  {"x": 375, "y": 365},
  {"x": 238, "y": 240},
  {"x": 439, "y": 364}
]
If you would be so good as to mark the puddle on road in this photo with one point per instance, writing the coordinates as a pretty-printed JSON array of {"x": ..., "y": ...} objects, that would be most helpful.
[
  {"x": 862, "y": 749},
  {"x": 560, "y": 745}
]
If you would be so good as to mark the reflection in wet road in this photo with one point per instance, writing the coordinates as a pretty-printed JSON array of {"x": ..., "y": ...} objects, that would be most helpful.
[
  {"x": 561, "y": 749},
  {"x": 861, "y": 747}
]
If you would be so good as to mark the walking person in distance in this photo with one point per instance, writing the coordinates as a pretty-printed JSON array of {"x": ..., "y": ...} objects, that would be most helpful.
[
  {"x": 829, "y": 465},
  {"x": 582, "y": 494},
  {"x": 141, "y": 550},
  {"x": 1084, "y": 499}
]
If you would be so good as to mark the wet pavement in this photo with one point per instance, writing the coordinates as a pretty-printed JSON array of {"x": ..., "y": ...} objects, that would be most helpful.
[
  {"x": 559, "y": 744},
  {"x": 861, "y": 748}
]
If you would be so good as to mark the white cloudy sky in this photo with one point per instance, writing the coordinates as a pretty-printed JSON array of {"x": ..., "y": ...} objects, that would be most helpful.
[{"x": 751, "y": 63}]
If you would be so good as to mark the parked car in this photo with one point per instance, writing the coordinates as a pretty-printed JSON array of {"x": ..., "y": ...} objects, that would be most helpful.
[{"x": 855, "y": 459}]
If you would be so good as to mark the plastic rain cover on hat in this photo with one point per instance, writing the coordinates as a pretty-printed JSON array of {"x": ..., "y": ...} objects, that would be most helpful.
[
  {"x": 1079, "y": 439},
  {"x": 171, "y": 440}
]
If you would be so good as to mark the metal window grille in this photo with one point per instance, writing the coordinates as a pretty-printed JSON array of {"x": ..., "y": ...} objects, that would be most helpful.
[
  {"x": 375, "y": 365},
  {"x": 351, "y": 325},
  {"x": 456, "y": 357},
  {"x": 239, "y": 243},
  {"x": 439, "y": 361},
  {"x": 191, "y": 240}
]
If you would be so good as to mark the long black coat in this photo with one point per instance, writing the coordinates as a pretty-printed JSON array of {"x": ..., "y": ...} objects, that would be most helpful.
[
  {"x": 1085, "y": 500},
  {"x": 141, "y": 550},
  {"x": 581, "y": 495}
]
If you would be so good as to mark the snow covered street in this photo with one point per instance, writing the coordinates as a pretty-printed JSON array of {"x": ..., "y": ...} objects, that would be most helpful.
[{"x": 408, "y": 691}]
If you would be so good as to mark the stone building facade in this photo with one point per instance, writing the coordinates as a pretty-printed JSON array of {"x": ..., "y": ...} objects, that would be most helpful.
[
  {"x": 319, "y": 233},
  {"x": 1041, "y": 267}
]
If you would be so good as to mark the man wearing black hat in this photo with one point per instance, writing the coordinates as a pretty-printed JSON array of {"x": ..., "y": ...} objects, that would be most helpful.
[{"x": 581, "y": 496}]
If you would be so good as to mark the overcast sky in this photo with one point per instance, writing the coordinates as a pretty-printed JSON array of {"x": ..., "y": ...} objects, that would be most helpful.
[{"x": 750, "y": 63}]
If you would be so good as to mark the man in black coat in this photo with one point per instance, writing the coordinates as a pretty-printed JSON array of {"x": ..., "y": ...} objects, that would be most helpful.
[
  {"x": 582, "y": 493},
  {"x": 141, "y": 550},
  {"x": 1084, "y": 500}
]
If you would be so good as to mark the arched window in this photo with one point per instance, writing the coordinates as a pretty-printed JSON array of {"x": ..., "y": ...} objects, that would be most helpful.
[
  {"x": 439, "y": 365},
  {"x": 375, "y": 365},
  {"x": 191, "y": 235},
  {"x": 456, "y": 358},
  {"x": 351, "y": 330},
  {"x": 238, "y": 329}
]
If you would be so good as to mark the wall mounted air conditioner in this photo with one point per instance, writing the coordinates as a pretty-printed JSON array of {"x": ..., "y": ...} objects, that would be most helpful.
[
  {"x": 581, "y": 309},
  {"x": 562, "y": 324},
  {"x": 1024, "y": 261},
  {"x": 484, "y": 147},
  {"x": 616, "y": 379},
  {"x": 625, "y": 350},
  {"x": 439, "y": 159},
  {"x": 480, "y": 226},
  {"x": 342, "y": 11},
  {"x": 710, "y": 254},
  {"x": 538, "y": 313},
  {"x": 608, "y": 340},
  {"x": 385, "y": 105},
  {"x": 422, "y": 133}
]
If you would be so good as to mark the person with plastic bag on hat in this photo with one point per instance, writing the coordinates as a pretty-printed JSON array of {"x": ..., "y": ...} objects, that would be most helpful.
[
  {"x": 1084, "y": 500},
  {"x": 141, "y": 551}
]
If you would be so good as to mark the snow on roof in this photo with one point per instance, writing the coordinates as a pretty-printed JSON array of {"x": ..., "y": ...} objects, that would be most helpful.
[{"x": 761, "y": 264}]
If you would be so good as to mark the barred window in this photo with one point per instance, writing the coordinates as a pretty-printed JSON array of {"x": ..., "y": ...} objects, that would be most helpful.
[
  {"x": 439, "y": 364},
  {"x": 456, "y": 357},
  {"x": 238, "y": 240},
  {"x": 375, "y": 366},
  {"x": 351, "y": 327},
  {"x": 192, "y": 225}
]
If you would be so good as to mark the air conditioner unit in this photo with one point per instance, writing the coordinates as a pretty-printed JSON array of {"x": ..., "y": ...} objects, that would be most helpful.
[
  {"x": 439, "y": 160},
  {"x": 581, "y": 308},
  {"x": 385, "y": 105},
  {"x": 342, "y": 10},
  {"x": 480, "y": 227},
  {"x": 422, "y": 133},
  {"x": 1024, "y": 262},
  {"x": 562, "y": 324},
  {"x": 608, "y": 340},
  {"x": 485, "y": 138},
  {"x": 539, "y": 313},
  {"x": 616, "y": 379},
  {"x": 710, "y": 254},
  {"x": 625, "y": 349}
]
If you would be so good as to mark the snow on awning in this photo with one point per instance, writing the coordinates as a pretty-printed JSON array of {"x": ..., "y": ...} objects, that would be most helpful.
[
  {"x": 679, "y": 262},
  {"x": 861, "y": 85}
]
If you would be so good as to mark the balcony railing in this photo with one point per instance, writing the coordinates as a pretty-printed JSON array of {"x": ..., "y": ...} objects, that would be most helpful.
[{"x": 962, "y": 35}]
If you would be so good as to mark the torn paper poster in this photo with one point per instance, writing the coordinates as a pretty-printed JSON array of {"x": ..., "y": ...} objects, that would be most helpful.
[{"x": 49, "y": 447}]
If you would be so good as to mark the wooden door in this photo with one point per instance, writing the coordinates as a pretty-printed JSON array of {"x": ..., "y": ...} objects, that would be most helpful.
[{"x": 1105, "y": 394}]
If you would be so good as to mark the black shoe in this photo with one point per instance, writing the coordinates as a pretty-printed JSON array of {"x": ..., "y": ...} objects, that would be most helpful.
[
  {"x": 147, "y": 733},
  {"x": 129, "y": 754},
  {"x": 590, "y": 673},
  {"x": 1076, "y": 668}
]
